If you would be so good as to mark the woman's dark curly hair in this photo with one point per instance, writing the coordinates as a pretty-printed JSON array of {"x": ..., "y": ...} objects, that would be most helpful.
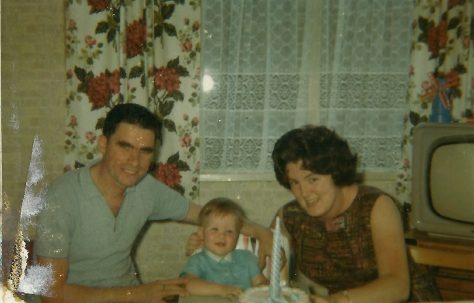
[{"x": 322, "y": 152}]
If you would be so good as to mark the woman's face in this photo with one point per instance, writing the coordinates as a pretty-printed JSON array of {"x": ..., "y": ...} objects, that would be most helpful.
[
  {"x": 220, "y": 234},
  {"x": 316, "y": 194}
]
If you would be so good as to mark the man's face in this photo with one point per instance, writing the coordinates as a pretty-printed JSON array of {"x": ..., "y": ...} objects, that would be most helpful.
[{"x": 127, "y": 154}]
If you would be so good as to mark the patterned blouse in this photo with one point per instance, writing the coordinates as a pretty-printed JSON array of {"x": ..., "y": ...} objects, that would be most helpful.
[{"x": 340, "y": 255}]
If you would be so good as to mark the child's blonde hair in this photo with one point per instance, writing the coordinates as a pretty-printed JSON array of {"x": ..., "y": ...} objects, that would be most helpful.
[{"x": 222, "y": 207}]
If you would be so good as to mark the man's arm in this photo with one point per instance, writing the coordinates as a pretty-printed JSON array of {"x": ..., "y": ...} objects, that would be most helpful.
[
  {"x": 193, "y": 213},
  {"x": 61, "y": 292}
]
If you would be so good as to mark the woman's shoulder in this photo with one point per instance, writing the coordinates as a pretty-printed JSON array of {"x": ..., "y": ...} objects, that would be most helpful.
[
  {"x": 368, "y": 195},
  {"x": 364, "y": 202},
  {"x": 374, "y": 194},
  {"x": 369, "y": 190},
  {"x": 374, "y": 200}
]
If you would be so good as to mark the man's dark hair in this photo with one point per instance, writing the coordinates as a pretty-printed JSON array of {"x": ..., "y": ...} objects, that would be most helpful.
[
  {"x": 134, "y": 114},
  {"x": 321, "y": 151}
]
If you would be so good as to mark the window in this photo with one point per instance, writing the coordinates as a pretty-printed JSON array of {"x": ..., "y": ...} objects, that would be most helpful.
[{"x": 272, "y": 65}]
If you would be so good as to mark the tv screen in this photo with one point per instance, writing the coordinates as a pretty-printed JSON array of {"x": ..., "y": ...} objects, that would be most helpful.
[
  {"x": 443, "y": 179},
  {"x": 452, "y": 179}
]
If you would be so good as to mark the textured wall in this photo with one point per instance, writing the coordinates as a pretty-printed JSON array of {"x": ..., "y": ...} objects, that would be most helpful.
[{"x": 33, "y": 95}]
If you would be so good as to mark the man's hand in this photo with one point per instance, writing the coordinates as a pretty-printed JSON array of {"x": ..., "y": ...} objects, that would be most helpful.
[
  {"x": 162, "y": 290},
  {"x": 194, "y": 243}
]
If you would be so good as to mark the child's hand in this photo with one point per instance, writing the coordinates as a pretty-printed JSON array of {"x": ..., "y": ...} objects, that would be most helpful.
[
  {"x": 230, "y": 291},
  {"x": 194, "y": 242}
]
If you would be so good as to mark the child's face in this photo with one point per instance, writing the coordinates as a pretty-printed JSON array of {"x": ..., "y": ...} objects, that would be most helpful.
[{"x": 220, "y": 234}]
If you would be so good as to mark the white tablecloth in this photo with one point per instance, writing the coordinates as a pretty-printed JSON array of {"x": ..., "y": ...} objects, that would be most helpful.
[{"x": 206, "y": 299}]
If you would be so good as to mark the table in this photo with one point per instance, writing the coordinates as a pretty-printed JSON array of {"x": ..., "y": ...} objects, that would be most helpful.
[
  {"x": 453, "y": 259},
  {"x": 442, "y": 252},
  {"x": 216, "y": 299},
  {"x": 207, "y": 299}
]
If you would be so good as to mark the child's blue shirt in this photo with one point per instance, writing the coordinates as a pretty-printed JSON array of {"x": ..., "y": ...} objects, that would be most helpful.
[{"x": 238, "y": 268}]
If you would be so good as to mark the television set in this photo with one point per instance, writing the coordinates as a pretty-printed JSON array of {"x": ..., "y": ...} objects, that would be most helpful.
[{"x": 442, "y": 197}]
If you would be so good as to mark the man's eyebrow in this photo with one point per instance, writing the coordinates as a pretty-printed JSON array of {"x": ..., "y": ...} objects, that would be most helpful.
[
  {"x": 147, "y": 149},
  {"x": 124, "y": 143},
  {"x": 127, "y": 144}
]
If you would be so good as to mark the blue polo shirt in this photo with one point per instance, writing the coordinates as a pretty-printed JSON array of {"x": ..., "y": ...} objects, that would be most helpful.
[{"x": 77, "y": 224}]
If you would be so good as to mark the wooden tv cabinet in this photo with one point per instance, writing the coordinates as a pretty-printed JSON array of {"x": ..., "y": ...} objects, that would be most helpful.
[{"x": 452, "y": 259}]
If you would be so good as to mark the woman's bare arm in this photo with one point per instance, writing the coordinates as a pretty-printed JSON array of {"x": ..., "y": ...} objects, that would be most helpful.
[{"x": 392, "y": 284}]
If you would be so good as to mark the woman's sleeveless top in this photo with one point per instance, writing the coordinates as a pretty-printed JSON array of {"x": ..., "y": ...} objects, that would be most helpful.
[{"x": 340, "y": 254}]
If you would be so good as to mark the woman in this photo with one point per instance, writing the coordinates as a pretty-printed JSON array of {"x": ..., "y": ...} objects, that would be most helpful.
[{"x": 345, "y": 236}]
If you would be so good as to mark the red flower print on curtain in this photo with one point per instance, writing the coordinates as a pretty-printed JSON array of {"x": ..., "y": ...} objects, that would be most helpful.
[
  {"x": 98, "y": 5},
  {"x": 167, "y": 78},
  {"x": 168, "y": 173},
  {"x": 99, "y": 89},
  {"x": 136, "y": 34},
  {"x": 437, "y": 37},
  {"x": 145, "y": 52},
  {"x": 441, "y": 73}
]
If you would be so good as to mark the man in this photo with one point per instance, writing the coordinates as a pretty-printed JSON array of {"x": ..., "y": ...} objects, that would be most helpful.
[{"x": 94, "y": 214}]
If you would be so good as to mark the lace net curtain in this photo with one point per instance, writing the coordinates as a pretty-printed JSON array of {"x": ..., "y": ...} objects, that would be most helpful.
[
  {"x": 274, "y": 65},
  {"x": 256, "y": 79},
  {"x": 365, "y": 59}
]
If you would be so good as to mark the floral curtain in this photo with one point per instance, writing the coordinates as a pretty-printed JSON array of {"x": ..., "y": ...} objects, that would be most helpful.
[
  {"x": 441, "y": 71},
  {"x": 140, "y": 51}
]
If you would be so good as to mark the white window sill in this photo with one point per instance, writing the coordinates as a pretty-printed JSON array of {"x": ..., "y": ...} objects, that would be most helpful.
[{"x": 369, "y": 176}]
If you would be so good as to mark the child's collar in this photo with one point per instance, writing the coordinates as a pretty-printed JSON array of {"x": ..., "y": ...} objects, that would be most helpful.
[{"x": 219, "y": 259}]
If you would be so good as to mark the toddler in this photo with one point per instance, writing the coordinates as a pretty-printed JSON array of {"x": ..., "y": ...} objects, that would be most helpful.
[{"x": 220, "y": 269}]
